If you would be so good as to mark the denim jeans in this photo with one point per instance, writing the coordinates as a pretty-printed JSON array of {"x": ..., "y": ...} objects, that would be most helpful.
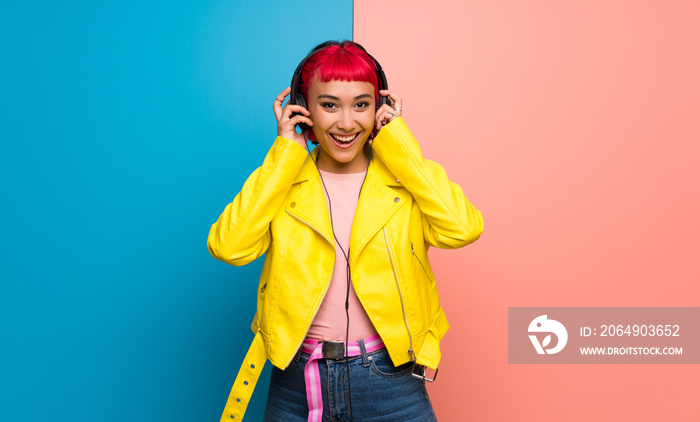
[{"x": 379, "y": 391}]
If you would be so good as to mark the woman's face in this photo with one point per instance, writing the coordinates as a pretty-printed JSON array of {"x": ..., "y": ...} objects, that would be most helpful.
[{"x": 343, "y": 116}]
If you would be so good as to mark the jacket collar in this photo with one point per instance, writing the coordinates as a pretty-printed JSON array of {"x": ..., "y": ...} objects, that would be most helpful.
[{"x": 308, "y": 205}]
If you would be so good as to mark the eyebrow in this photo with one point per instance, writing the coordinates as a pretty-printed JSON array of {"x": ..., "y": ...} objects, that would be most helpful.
[{"x": 332, "y": 97}]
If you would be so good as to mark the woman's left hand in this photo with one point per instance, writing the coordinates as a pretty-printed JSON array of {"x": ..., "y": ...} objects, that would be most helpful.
[{"x": 388, "y": 112}]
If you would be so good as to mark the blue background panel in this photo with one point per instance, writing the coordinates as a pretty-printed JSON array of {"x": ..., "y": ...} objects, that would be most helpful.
[{"x": 125, "y": 129}]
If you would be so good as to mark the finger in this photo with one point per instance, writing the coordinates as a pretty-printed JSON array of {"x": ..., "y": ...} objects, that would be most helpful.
[
  {"x": 288, "y": 129},
  {"x": 300, "y": 119},
  {"x": 396, "y": 101},
  {"x": 398, "y": 105},
  {"x": 384, "y": 115},
  {"x": 289, "y": 109},
  {"x": 289, "y": 124},
  {"x": 284, "y": 93},
  {"x": 381, "y": 120},
  {"x": 384, "y": 111},
  {"x": 391, "y": 94},
  {"x": 380, "y": 117},
  {"x": 277, "y": 105}
]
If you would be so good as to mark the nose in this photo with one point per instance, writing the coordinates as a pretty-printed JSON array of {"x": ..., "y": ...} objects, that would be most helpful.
[{"x": 346, "y": 120}]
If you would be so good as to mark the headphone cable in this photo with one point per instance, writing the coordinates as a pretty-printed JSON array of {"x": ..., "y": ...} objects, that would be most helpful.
[{"x": 347, "y": 264}]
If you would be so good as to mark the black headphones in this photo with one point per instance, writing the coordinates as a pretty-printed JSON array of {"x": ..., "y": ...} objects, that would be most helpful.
[{"x": 296, "y": 97}]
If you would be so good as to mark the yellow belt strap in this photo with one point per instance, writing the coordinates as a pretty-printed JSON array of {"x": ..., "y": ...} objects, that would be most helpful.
[{"x": 246, "y": 379}]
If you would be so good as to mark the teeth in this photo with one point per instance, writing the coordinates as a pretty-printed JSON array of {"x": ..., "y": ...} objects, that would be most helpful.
[{"x": 344, "y": 138}]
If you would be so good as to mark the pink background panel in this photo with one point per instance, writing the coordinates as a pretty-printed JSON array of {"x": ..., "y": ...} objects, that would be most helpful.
[{"x": 574, "y": 127}]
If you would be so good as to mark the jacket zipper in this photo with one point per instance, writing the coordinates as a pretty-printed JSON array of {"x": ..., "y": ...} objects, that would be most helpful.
[
  {"x": 403, "y": 308},
  {"x": 421, "y": 264}
]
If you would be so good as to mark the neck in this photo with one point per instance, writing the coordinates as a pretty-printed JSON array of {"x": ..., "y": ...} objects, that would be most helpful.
[{"x": 358, "y": 165}]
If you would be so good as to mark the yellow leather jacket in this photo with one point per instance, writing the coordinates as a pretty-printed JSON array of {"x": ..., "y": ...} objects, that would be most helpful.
[{"x": 406, "y": 205}]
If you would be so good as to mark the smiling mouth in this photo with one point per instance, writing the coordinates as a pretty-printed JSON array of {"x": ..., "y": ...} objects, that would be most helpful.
[{"x": 345, "y": 141}]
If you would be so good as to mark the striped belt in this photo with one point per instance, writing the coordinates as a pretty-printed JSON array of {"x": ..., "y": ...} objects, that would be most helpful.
[{"x": 329, "y": 350}]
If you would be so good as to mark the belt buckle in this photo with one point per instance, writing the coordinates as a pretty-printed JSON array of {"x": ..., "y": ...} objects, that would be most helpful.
[
  {"x": 421, "y": 376},
  {"x": 333, "y": 350}
]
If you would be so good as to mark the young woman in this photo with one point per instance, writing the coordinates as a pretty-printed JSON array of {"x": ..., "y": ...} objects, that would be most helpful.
[{"x": 347, "y": 308}]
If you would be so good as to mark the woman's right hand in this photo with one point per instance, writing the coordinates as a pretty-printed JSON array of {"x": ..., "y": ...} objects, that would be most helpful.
[{"x": 286, "y": 123}]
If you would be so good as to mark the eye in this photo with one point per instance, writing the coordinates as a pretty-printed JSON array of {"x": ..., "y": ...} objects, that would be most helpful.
[
  {"x": 362, "y": 105},
  {"x": 329, "y": 106}
]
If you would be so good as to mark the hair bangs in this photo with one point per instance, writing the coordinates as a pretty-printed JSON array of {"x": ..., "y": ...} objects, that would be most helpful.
[
  {"x": 345, "y": 67},
  {"x": 344, "y": 62}
]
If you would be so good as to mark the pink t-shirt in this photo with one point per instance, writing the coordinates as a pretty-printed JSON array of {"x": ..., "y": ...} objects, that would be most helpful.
[{"x": 330, "y": 321}]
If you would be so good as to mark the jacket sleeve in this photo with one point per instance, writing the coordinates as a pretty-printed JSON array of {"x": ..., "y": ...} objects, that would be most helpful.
[
  {"x": 449, "y": 219},
  {"x": 242, "y": 232}
]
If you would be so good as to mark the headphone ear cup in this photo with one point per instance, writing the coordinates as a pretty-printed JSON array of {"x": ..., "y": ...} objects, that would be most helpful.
[
  {"x": 298, "y": 99},
  {"x": 381, "y": 79}
]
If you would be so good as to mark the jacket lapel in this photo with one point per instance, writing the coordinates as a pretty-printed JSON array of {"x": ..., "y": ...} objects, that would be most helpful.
[
  {"x": 377, "y": 204},
  {"x": 309, "y": 205}
]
